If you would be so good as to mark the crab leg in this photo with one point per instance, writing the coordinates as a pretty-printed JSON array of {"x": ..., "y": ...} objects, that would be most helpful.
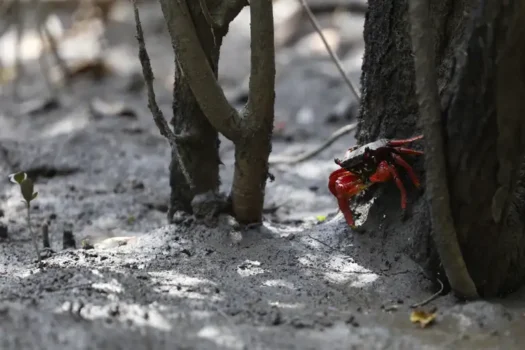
[
  {"x": 409, "y": 151},
  {"x": 334, "y": 176},
  {"x": 384, "y": 173},
  {"x": 344, "y": 185},
  {"x": 399, "y": 184},
  {"x": 404, "y": 141},
  {"x": 399, "y": 160},
  {"x": 339, "y": 190}
]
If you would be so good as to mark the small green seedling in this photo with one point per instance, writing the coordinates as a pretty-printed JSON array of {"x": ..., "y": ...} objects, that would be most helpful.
[
  {"x": 86, "y": 244},
  {"x": 26, "y": 189}
]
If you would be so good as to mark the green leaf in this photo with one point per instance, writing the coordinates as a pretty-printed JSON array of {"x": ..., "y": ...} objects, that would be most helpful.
[
  {"x": 321, "y": 218},
  {"x": 86, "y": 244},
  {"x": 18, "y": 177},
  {"x": 27, "y": 187},
  {"x": 35, "y": 195}
]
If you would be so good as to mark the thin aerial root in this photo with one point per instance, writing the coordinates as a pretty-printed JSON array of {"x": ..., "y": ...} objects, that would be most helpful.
[{"x": 431, "y": 298}]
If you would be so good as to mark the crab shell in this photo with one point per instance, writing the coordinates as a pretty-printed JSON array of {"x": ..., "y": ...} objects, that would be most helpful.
[{"x": 355, "y": 156}]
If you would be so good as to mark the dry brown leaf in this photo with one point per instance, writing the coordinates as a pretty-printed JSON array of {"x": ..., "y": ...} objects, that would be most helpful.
[{"x": 422, "y": 317}]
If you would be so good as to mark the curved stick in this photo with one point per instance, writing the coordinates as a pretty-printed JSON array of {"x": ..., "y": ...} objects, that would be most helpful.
[
  {"x": 281, "y": 159},
  {"x": 444, "y": 232}
]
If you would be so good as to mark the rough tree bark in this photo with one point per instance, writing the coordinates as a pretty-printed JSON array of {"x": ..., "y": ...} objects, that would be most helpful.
[
  {"x": 480, "y": 60},
  {"x": 197, "y": 146}
]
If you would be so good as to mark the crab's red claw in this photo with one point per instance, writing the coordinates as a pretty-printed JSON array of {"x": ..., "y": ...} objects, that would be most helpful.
[
  {"x": 374, "y": 162},
  {"x": 334, "y": 176},
  {"x": 347, "y": 187},
  {"x": 339, "y": 183},
  {"x": 344, "y": 185}
]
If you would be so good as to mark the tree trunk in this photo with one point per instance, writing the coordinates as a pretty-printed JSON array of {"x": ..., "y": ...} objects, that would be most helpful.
[
  {"x": 198, "y": 147},
  {"x": 253, "y": 148},
  {"x": 480, "y": 58},
  {"x": 250, "y": 176},
  {"x": 200, "y": 155},
  {"x": 196, "y": 31}
]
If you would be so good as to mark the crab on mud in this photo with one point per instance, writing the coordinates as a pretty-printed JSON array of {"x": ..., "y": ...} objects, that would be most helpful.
[{"x": 365, "y": 165}]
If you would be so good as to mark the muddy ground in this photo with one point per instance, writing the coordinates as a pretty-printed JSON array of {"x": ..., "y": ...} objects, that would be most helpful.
[{"x": 101, "y": 169}]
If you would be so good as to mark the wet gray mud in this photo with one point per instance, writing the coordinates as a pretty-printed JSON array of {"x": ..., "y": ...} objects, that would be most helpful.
[{"x": 133, "y": 282}]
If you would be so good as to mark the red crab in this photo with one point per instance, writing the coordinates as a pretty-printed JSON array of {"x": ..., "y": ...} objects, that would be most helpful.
[{"x": 365, "y": 165}]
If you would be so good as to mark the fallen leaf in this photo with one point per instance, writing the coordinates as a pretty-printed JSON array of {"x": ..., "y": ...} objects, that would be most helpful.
[
  {"x": 86, "y": 244},
  {"x": 422, "y": 317},
  {"x": 321, "y": 218}
]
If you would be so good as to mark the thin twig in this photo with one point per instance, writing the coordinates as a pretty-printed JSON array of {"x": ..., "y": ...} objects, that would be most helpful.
[
  {"x": 53, "y": 47},
  {"x": 321, "y": 242},
  {"x": 280, "y": 159},
  {"x": 156, "y": 112},
  {"x": 44, "y": 64},
  {"x": 431, "y": 298},
  {"x": 332, "y": 54},
  {"x": 19, "y": 67},
  {"x": 147, "y": 71}
]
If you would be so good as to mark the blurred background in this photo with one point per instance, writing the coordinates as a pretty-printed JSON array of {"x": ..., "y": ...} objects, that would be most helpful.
[
  {"x": 73, "y": 111},
  {"x": 44, "y": 41}
]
